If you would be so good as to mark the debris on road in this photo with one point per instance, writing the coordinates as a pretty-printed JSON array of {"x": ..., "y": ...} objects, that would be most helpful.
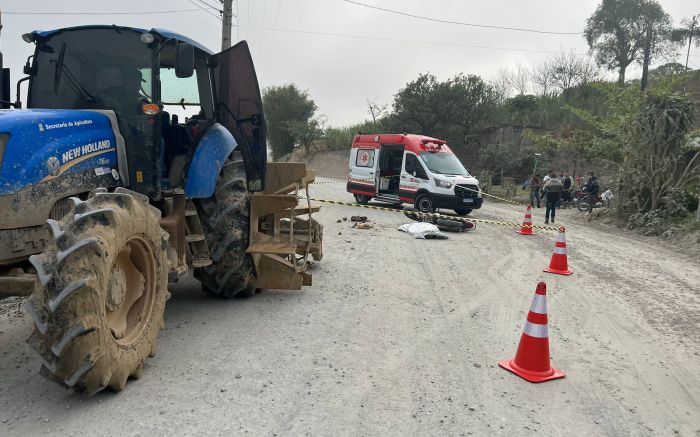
[
  {"x": 358, "y": 218},
  {"x": 363, "y": 225},
  {"x": 423, "y": 231}
]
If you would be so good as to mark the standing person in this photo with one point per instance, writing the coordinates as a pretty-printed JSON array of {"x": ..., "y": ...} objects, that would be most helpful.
[
  {"x": 535, "y": 186},
  {"x": 567, "y": 182},
  {"x": 591, "y": 189},
  {"x": 543, "y": 194},
  {"x": 553, "y": 189}
]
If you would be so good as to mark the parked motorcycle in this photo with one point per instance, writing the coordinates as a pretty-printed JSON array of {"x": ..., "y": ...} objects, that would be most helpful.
[{"x": 603, "y": 200}]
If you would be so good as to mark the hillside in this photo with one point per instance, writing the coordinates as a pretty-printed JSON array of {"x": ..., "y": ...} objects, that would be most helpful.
[{"x": 330, "y": 164}]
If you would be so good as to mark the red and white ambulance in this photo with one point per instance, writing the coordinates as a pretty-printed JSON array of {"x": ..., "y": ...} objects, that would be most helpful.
[{"x": 403, "y": 168}]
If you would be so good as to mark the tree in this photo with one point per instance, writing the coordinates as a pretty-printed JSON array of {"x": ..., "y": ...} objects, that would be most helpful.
[
  {"x": 690, "y": 32},
  {"x": 568, "y": 70},
  {"x": 662, "y": 164},
  {"x": 668, "y": 69},
  {"x": 287, "y": 108},
  {"x": 450, "y": 110},
  {"x": 543, "y": 79},
  {"x": 522, "y": 111},
  {"x": 305, "y": 133},
  {"x": 502, "y": 84},
  {"x": 615, "y": 34},
  {"x": 658, "y": 40},
  {"x": 520, "y": 79},
  {"x": 375, "y": 110}
]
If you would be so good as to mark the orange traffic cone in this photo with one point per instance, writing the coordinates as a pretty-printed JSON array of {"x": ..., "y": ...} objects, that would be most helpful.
[
  {"x": 526, "y": 228},
  {"x": 531, "y": 361},
  {"x": 559, "y": 262}
]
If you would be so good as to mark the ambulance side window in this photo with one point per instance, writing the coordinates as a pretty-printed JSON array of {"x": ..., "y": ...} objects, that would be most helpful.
[
  {"x": 365, "y": 158},
  {"x": 414, "y": 167}
]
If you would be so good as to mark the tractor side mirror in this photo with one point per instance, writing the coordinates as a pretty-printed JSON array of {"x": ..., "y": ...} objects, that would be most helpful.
[{"x": 184, "y": 60}]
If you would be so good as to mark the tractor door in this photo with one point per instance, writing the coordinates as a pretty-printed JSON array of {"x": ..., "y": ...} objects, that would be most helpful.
[{"x": 239, "y": 108}]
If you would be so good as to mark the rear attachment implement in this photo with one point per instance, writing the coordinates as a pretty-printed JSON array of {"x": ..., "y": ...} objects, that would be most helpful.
[{"x": 283, "y": 233}]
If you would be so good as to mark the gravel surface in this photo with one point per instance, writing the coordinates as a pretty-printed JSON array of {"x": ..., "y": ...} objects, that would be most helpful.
[{"x": 400, "y": 336}]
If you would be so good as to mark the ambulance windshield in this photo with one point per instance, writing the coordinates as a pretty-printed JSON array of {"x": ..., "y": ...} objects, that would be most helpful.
[{"x": 444, "y": 163}]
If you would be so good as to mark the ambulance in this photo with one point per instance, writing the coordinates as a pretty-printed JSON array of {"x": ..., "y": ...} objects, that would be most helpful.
[{"x": 414, "y": 169}]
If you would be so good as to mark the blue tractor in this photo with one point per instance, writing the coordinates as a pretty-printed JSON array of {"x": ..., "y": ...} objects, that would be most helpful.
[{"x": 141, "y": 157}]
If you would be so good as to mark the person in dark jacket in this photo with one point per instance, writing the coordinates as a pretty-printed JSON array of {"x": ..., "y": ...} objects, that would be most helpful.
[
  {"x": 535, "y": 187},
  {"x": 553, "y": 189},
  {"x": 592, "y": 189},
  {"x": 568, "y": 182}
]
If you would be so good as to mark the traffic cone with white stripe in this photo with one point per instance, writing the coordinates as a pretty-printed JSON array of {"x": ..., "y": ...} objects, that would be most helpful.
[
  {"x": 559, "y": 263},
  {"x": 526, "y": 228},
  {"x": 531, "y": 361}
]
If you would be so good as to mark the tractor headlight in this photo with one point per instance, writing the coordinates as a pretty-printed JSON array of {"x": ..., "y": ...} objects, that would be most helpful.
[
  {"x": 147, "y": 38},
  {"x": 442, "y": 184}
]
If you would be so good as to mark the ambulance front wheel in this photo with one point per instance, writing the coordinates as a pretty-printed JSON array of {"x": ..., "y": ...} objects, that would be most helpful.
[
  {"x": 362, "y": 199},
  {"x": 462, "y": 211},
  {"x": 424, "y": 203}
]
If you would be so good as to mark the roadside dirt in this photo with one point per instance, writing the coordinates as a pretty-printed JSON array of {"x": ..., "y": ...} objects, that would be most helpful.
[{"x": 400, "y": 336}]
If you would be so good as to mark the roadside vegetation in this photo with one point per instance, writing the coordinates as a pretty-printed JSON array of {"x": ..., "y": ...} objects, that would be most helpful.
[{"x": 566, "y": 113}]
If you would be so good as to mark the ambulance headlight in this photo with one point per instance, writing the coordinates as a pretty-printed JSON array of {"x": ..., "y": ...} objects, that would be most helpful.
[{"x": 442, "y": 184}]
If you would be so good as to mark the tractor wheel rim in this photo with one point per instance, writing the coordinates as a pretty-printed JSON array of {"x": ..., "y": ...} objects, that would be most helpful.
[{"x": 131, "y": 291}]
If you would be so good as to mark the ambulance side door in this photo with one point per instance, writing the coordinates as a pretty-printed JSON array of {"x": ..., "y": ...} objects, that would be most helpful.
[
  {"x": 412, "y": 176},
  {"x": 363, "y": 170}
]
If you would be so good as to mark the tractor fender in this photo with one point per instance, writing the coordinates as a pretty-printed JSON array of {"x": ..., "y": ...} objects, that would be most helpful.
[{"x": 208, "y": 160}]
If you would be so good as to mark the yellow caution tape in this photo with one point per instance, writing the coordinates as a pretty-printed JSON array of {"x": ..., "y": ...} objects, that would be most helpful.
[
  {"x": 496, "y": 197},
  {"x": 436, "y": 215},
  {"x": 339, "y": 181}
]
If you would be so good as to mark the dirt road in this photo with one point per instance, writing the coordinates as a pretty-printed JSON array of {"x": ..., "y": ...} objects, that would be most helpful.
[{"x": 399, "y": 336}]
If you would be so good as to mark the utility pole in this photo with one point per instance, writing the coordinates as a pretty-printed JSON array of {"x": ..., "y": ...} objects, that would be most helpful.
[{"x": 227, "y": 21}]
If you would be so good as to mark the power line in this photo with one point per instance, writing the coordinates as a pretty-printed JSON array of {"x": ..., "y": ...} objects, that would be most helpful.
[
  {"x": 269, "y": 44},
  {"x": 377, "y": 38},
  {"x": 460, "y": 23},
  {"x": 205, "y": 10},
  {"x": 100, "y": 13},
  {"x": 208, "y": 5},
  {"x": 262, "y": 23}
]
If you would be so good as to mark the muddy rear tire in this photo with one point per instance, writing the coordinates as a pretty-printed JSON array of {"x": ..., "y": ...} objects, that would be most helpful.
[
  {"x": 101, "y": 295},
  {"x": 226, "y": 222}
]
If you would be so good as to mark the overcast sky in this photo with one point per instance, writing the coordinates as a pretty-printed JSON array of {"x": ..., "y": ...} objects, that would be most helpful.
[{"x": 384, "y": 52}]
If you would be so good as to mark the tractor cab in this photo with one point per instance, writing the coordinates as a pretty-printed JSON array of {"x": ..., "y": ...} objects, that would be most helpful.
[{"x": 169, "y": 95}]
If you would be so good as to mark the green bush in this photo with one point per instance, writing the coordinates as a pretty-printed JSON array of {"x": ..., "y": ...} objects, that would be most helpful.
[{"x": 340, "y": 138}]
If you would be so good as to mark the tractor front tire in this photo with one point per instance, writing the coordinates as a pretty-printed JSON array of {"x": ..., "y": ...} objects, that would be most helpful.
[
  {"x": 100, "y": 298},
  {"x": 226, "y": 222}
]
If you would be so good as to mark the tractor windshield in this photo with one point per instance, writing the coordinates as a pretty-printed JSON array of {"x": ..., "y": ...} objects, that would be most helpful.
[{"x": 92, "y": 69}]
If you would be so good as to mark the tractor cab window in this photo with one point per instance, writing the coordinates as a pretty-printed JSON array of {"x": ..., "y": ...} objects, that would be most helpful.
[
  {"x": 188, "y": 110},
  {"x": 189, "y": 99},
  {"x": 180, "y": 95}
]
